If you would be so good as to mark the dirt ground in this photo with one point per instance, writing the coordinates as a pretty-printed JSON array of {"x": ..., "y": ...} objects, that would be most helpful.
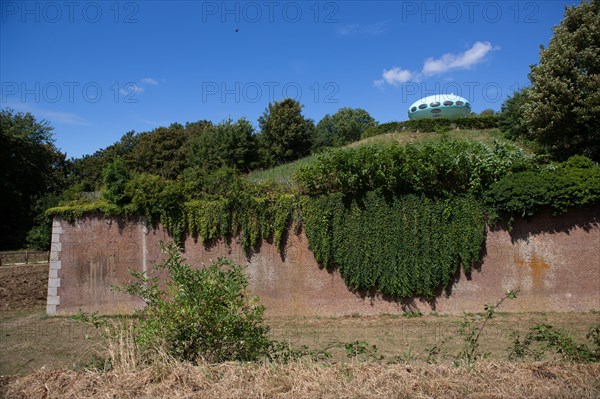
[{"x": 23, "y": 287}]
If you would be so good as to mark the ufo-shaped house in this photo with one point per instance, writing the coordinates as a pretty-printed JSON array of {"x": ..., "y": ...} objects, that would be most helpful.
[{"x": 439, "y": 106}]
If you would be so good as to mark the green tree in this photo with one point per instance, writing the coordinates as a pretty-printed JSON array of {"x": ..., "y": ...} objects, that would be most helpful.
[
  {"x": 31, "y": 168},
  {"x": 161, "y": 152},
  {"x": 87, "y": 171},
  {"x": 510, "y": 119},
  {"x": 285, "y": 133},
  {"x": 227, "y": 144},
  {"x": 343, "y": 127},
  {"x": 116, "y": 175},
  {"x": 487, "y": 112},
  {"x": 563, "y": 107}
]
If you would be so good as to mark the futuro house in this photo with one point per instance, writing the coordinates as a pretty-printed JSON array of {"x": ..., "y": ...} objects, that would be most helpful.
[{"x": 439, "y": 106}]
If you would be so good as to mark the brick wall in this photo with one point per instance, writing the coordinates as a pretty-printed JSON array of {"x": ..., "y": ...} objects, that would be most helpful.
[{"x": 554, "y": 261}]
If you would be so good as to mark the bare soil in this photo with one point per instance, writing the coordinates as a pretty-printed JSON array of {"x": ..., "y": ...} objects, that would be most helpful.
[{"x": 23, "y": 287}]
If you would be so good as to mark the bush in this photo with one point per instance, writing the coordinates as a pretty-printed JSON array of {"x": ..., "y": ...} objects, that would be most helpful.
[
  {"x": 470, "y": 122},
  {"x": 575, "y": 183},
  {"x": 480, "y": 122},
  {"x": 203, "y": 314},
  {"x": 389, "y": 127},
  {"x": 435, "y": 168}
]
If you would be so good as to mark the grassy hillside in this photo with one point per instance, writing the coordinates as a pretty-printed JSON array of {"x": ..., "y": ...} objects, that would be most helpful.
[{"x": 285, "y": 173}]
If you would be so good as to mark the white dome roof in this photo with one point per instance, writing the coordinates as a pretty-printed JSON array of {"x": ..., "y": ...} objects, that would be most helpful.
[{"x": 438, "y": 98}]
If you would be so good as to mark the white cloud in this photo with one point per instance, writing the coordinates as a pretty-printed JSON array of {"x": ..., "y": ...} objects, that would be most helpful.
[
  {"x": 375, "y": 29},
  {"x": 149, "y": 81},
  {"x": 396, "y": 76},
  {"x": 450, "y": 61},
  {"x": 447, "y": 62}
]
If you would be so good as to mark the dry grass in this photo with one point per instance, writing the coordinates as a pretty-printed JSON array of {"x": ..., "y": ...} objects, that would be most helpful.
[{"x": 310, "y": 380}]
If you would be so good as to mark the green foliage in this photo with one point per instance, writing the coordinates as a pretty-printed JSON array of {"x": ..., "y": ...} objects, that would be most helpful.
[
  {"x": 362, "y": 350},
  {"x": 404, "y": 247},
  {"x": 411, "y": 314},
  {"x": 39, "y": 236},
  {"x": 486, "y": 121},
  {"x": 285, "y": 133},
  {"x": 575, "y": 183},
  {"x": 202, "y": 314},
  {"x": 32, "y": 167},
  {"x": 545, "y": 337},
  {"x": 470, "y": 331},
  {"x": 563, "y": 103},
  {"x": 388, "y": 127},
  {"x": 345, "y": 126},
  {"x": 253, "y": 217},
  {"x": 72, "y": 211},
  {"x": 487, "y": 112},
  {"x": 161, "y": 152},
  {"x": 473, "y": 122},
  {"x": 115, "y": 177},
  {"x": 511, "y": 118},
  {"x": 227, "y": 144},
  {"x": 438, "y": 168}
]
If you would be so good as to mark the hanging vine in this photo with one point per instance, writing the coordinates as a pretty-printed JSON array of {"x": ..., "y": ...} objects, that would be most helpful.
[{"x": 401, "y": 246}]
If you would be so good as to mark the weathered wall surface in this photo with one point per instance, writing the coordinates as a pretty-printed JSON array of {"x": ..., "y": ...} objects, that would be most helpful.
[{"x": 554, "y": 261}]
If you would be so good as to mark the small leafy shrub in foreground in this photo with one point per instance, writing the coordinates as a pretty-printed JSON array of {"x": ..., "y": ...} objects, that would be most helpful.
[{"x": 202, "y": 314}]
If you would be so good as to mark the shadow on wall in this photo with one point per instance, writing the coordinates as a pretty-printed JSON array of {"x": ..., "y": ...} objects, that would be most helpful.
[{"x": 546, "y": 223}]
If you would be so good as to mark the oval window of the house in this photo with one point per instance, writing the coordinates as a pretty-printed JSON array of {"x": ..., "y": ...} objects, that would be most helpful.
[
  {"x": 468, "y": 105},
  {"x": 436, "y": 111},
  {"x": 435, "y": 104},
  {"x": 422, "y": 106},
  {"x": 460, "y": 103},
  {"x": 413, "y": 109},
  {"x": 448, "y": 103}
]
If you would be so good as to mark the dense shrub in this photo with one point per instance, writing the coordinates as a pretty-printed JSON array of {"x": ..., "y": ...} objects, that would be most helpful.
[
  {"x": 388, "y": 127},
  {"x": 202, "y": 314},
  {"x": 435, "y": 168},
  {"x": 574, "y": 183},
  {"x": 474, "y": 122},
  {"x": 402, "y": 246}
]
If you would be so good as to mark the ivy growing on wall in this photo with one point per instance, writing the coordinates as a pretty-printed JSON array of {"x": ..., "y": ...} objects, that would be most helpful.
[{"x": 400, "y": 246}]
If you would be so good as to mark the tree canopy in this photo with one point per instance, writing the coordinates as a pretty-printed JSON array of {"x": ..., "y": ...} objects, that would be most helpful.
[
  {"x": 32, "y": 168},
  {"x": 563, "y": 108},
  {"x": 226, "y": 144},
  {"x": 343, "y": 127},
  {"x": 285, "y": 133}
]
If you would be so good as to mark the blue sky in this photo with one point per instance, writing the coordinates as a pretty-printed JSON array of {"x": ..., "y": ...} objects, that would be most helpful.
[{"x": 96, "y": 70}]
